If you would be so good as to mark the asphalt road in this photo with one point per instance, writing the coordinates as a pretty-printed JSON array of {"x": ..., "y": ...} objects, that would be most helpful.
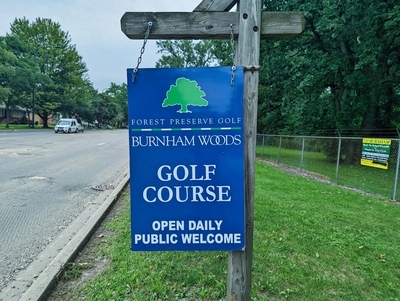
[{"x": 46, "y": 180}]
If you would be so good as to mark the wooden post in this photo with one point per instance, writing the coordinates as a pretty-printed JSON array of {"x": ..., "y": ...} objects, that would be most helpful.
[
  {"x": 211, "y": 20},
  {"x": 248, "y": 53}
]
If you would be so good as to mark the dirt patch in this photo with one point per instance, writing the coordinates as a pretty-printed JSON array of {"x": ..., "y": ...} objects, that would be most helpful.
[
  {"x": 89, "y": 262},
  {"x": 300, "y": 172}
]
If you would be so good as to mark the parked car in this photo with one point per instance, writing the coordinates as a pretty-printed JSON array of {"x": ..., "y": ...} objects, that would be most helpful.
[
  {"x": 106, "y": 127},
  {"x": 87, "y": 124},
  {"x": 66, "y": 125}
]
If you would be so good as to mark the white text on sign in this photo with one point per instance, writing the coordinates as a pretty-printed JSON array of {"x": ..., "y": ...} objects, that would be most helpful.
[
  {"x": 194, "y": 233},
  {"x": 186, "y": 193}
]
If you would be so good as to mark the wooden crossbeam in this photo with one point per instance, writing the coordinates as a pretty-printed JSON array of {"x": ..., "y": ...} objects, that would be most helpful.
[
  {"x": 215, "y": 5},
  {"x": 207, "y": 25}
]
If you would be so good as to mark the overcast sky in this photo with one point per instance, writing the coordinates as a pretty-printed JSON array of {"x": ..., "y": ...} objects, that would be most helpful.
[{"x": 94, "y": 27}]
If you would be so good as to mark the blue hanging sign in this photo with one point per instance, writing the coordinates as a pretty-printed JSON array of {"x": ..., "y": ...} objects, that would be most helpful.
[{"x": 186, "y": 159}]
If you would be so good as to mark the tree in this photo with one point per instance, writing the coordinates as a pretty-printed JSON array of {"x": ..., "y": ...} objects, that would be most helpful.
[
  {"x": 58, "y": 60},
  {"x": 185, "y": 53},
  {"x": 107, "y": 110},
  {"x": 7, "y": 61},
  {"x": 185, "y": 93},
  {"x": 119, "y": 96},
  {"x": 110, "y": 106},
  {"x": 191, "y": 53},
  {"x": 341, "y": 73},
  {"x": 86, "y": 108},
  {"x": 223, "y": 51},
  {"x": 19, "y": 72}
]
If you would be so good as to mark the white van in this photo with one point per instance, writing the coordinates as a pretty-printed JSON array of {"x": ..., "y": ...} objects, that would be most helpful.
[{"x": 67, "y": 125}]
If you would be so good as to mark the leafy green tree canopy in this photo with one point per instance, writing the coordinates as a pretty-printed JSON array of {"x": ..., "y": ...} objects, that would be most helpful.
[
  {"x": 58, "y": 60},
  {"x": 18, "y": 72},
  {"x": 341, "y": 73},
  {"x": 7, "y": 62},
  {"x": 185, "y": 53}
]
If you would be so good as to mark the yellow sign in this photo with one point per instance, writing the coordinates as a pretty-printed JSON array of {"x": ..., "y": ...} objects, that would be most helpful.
[
  {"x": 371, "y": 163},
  {"x": 375, "y": 152},
  {"x": 377, "y": 141}
]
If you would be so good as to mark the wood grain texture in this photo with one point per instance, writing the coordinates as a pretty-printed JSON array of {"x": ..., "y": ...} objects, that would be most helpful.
[
  {"x": 215, "y": 5},
  {"x": 207, "y": 25},
  {"x": 248, "y": 54}
]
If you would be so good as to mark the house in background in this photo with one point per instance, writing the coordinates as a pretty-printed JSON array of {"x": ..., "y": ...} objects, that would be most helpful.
[
  {"x": 20, "y": 115},
  {"x": 17, "y": 115}
]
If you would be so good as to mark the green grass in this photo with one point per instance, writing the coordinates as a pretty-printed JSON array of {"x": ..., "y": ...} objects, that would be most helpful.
[
  {"x": 14, "y": 127},
  {"x": 368, "y": 179},
  {"x": 323, "y": 242},
  {"x": 312, "y": 241}
]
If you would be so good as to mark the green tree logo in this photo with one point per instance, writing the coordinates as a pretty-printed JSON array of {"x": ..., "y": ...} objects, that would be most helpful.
[{"x": 185, "y": 93}]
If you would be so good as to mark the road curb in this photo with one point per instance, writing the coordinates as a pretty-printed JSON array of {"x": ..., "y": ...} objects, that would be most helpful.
[{"x": 36, "y": 281}]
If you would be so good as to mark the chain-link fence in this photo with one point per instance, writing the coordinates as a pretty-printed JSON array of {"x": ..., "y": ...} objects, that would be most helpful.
[{"x": 338, "y": 160}]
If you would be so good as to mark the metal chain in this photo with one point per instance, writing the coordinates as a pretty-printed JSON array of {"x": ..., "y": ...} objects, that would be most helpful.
[
  {"x": 233, "y": 56},
  {"x": 146, "y": 36}
]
